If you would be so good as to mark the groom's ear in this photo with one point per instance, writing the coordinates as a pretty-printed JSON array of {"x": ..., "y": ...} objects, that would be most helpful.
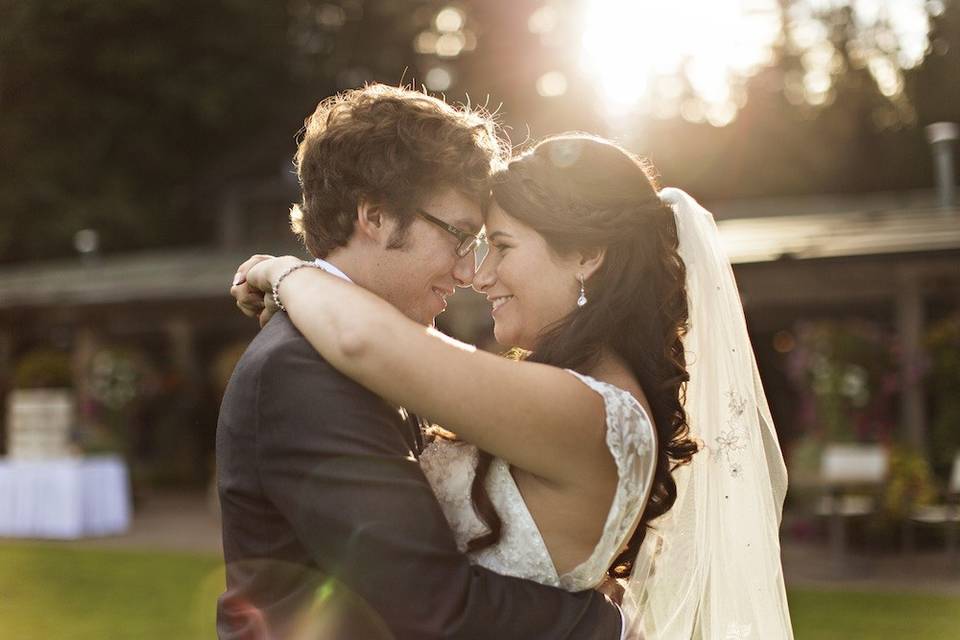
[
  {"x": 371, "y": 220},
  {"x": 590, "y": 261}
]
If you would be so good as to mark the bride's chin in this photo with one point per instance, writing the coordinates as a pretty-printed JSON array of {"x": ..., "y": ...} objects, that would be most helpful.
[{"x": 501, "y": 335}]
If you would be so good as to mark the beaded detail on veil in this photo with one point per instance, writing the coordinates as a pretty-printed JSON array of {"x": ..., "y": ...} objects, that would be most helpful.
[{"x": 521, "y": 551}]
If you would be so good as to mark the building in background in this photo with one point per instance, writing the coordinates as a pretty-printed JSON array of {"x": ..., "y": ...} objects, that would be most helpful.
[{"x": 890, "y": 259}]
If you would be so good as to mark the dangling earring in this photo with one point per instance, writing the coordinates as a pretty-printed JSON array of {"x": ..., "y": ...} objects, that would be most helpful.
[{"x": 582, "y": 300}]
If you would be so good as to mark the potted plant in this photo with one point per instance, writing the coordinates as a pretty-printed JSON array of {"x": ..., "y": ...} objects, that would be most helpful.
[{"x": 115, "y": 377}]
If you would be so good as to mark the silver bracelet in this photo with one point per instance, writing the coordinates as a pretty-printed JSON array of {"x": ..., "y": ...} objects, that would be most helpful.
[{"x": 276, "y": 285}]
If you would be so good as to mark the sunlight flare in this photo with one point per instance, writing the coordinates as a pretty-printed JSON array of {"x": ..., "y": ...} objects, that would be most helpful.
[{"x": 629, "y": 46}]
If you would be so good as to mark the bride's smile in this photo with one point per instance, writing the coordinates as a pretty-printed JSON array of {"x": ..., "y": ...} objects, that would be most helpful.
[{"x": 499, "y": 302}]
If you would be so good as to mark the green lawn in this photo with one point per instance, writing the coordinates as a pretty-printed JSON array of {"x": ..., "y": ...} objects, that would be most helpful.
[
  {"x": 842, "y": 615},
  {"x": 51, "y": 591}
]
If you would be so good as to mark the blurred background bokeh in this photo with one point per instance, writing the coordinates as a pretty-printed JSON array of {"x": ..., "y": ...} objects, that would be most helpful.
[{"x": 145, "y": 151}]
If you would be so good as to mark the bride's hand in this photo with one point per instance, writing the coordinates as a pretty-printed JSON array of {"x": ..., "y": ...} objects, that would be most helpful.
[{"x": 253, "y": 284}]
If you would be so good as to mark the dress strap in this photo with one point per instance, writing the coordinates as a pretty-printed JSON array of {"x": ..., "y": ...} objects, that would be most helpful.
[{"x": 631, "y": 439}]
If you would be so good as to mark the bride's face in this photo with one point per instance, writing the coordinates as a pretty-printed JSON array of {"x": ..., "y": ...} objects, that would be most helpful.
[{"x": 529, "y": 285}]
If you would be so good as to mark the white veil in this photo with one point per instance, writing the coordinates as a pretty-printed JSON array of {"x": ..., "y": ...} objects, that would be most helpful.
[{"x": 710, "y": 567}]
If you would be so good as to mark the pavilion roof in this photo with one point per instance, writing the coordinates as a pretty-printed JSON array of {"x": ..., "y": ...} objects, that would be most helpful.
[
  {"x": 154, "y": 275},
  {"x": 838, "y": 235},
  {"x": 748, "y": 235}
]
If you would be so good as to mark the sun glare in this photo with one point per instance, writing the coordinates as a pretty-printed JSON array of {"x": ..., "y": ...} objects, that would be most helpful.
[
  {"x": 691, "y": 57},
  {"x": 632, "y": 47}
]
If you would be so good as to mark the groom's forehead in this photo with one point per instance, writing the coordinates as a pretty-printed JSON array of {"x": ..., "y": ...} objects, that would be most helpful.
[{"x": 456, "y": 209}]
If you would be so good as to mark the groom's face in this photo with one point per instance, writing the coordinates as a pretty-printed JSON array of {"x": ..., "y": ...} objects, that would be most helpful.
[{"x": 418, "y": 277}]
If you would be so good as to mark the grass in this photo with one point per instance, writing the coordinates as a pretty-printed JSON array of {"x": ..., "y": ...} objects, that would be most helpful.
[
  {"x": 840, "y": 615},
  {"x": 52, "y": 591},
  {"x": 55, "y": 591}
]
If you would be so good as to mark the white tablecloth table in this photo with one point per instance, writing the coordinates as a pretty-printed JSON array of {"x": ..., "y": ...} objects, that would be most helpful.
[{"x": 65, "y": 498}]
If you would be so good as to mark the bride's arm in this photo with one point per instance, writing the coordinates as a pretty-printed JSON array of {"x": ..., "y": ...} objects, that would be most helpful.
[{"x": 537, "y": 417}]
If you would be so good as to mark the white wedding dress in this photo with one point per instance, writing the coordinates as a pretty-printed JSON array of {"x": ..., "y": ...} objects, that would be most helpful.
[{"x": 521, "y": 552}]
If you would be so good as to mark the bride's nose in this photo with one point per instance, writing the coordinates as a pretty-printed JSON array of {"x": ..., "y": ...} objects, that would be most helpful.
[{"x": 485, "y": 275}]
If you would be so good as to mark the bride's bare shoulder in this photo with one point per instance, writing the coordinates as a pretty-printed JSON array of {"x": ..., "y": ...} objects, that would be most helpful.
[{"x": 615, "y": 372}]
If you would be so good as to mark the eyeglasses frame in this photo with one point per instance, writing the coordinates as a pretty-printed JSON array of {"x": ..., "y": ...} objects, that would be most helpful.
[{"x": 466, "y": 242}]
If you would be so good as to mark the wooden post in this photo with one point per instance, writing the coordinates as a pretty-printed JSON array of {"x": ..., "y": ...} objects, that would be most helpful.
[
  {"x": 910, "y": 325},
  {"x": 6, "y": 356},
  {"x": 85, "y": 345},
  {"x": 183, "y": 351}
]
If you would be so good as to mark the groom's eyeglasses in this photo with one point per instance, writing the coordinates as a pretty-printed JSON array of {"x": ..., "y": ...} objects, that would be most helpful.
[{"x": 466, "y": 242}]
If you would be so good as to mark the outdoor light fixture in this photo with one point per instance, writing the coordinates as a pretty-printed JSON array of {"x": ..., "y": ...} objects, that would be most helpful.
[
  {"x": 942, "y": 136},
  {"x": 86, "y": 242}
]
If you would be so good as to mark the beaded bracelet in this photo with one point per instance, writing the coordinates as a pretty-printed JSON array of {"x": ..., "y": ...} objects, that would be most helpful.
[{"x": 276, "y": 285}]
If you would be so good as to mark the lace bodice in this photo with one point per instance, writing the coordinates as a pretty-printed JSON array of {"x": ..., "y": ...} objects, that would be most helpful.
[{"x": 521, "y": 551}]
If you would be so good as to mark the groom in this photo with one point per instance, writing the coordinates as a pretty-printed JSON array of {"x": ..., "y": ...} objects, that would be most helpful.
[{"x": 330, "y": 529}]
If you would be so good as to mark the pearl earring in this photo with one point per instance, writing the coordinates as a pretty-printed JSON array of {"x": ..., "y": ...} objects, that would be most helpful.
[{"x": 582, "y": 300}]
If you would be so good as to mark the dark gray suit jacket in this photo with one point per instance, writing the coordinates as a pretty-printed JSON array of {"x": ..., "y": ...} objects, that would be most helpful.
[{"x": 330, "y": 529}]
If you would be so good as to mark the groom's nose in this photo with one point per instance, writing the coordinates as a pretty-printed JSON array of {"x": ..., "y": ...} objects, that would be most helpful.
[{"x": 464, "y": 270}]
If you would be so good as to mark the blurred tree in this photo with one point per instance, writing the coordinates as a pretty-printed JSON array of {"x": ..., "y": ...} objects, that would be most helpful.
[
  {"x": 123, "y": 116},
  {"x": 839, "y": 108},
  {"x": 132, "y": 116},
  {"x": 862, "y": 132},
  {"x": 934, "y": 86}
]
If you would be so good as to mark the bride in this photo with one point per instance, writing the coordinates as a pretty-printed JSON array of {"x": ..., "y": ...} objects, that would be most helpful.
[{"x": 627, "y": 435}]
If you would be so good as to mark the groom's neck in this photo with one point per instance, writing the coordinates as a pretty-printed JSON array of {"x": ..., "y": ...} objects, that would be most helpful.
[
  {"x": 367, "y": 267},
  {"x": 354, "y": 263}
]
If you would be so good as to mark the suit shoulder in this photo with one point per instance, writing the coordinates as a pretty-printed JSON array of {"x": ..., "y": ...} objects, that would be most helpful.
[
  {"x": 281, "y": 355},
  {"x": 278, "y": 340}
]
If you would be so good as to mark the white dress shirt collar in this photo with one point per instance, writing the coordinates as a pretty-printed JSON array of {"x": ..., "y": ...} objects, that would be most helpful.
[{"x": 332, "y": 269}]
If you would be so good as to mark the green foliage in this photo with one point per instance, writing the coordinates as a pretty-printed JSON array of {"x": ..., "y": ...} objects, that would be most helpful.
[
  {"x": 943, "y": 380},
  {"x": 116, "y": 378},
  {"x": 43, "y": 369},
  {"x": 847, "y": 371},
  {"x": 126, "y": 116},
  {"x": 804, "y": 463},
  {"x": 934, "y": 87},
  {"x": 135, "y": 117},
  {"x": 909, "y": 484}
]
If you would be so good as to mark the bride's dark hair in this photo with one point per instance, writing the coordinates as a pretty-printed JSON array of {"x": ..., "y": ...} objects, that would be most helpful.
[{"x": 582, "y": 192}]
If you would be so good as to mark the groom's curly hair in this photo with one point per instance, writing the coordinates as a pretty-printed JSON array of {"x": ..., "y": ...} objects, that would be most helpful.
[
  {"x": 580, "y": 193},
  {"x": 391, "y": 145}
]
